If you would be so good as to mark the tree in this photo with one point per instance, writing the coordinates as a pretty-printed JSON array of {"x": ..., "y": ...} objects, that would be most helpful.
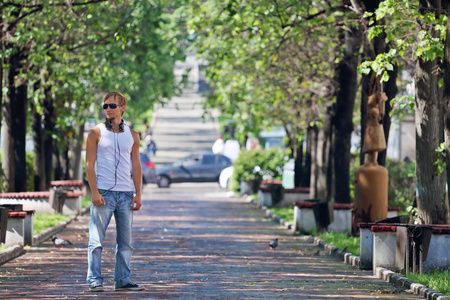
[
  {"x": 426, "y": 46},
  {"x": 429, "y": 127},
  {"x": 71, "y": 60},
  {"x": 343, "y": 120}
]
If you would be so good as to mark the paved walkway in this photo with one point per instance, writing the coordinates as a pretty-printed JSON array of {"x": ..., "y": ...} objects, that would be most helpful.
[
  {"x": 192, "y": 242},
  {"x": 181, "y": 127}
]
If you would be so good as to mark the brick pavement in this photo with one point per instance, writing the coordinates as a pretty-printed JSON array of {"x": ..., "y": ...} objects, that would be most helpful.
[{"x": 192, "y": 242}]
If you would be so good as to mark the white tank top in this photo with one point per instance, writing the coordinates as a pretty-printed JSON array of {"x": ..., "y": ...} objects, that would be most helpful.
[{"x": 114, "y": 160}]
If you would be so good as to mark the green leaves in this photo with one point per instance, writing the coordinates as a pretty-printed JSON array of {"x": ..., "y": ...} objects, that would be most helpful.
[
  {"x": 265, "y": 61},
  {"x": 381, "y": 65},
  {"x": 439, "y": 163}
]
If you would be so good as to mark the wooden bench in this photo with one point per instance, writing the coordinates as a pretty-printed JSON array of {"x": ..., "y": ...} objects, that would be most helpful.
[{"x": 40, "y": 201}]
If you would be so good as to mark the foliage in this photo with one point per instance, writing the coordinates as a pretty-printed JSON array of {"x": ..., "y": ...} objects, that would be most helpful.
[
  {"x": 267, "y": 63},
  {"x": 402, "y": 184},
  {"x": 409, "y": 40},
  {"x": 257, "y": 164},
  {"x": 440, "y": 160},
  {"x": 341, "y": 241},
  {"x": 436, "y": 280},
  {"x": 401, "y": 106},
  {"x": 72, "y": 53},
  {"x": 44, "y": 221}
]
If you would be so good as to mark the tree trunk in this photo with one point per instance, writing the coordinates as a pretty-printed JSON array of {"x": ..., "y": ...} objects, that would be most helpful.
[
  {"x": 429, "y": 135},
  {"x": 8, "y": 161},
  {"x": 306, "y": 180},
  {"x": 19, "y": 137},
  {"x": 75, "y": 161},
  {"x": 2, "y": 48},
  {"x": 64, "y": 157},
  {"x": 347, "y": 77},
  {"x": 313, "y": 136},
  {"x": 49, "y": 125},
  {"x": 391, "y": 90},
  {"x": 323, "y": 152},
  {"x": 298, "y": 166},
  {"x": 446, "y": 69},
  {"x": 58, "y": 169},
  {"x": 38, "y": 161},
  {"x": 330, "y": 164},
  {"x": 365, "y": 83}
]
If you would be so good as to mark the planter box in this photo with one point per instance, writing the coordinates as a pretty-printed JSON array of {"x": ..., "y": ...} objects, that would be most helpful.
[
  {"x": 249, "y": 186},
  {"x": 17, "y": 231},
  {"x": 285, "y": 197},
  {"x": 298, "y": 194},
  {"x": 39, "y": 201},
  {"x": 304, "y": 220},
  {"x": 385, "y": 247}
]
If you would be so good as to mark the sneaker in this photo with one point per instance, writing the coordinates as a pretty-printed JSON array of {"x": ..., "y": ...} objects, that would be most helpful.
[
  {"x": 130, "y": 287},
  {"x": 95, "y": 287}
]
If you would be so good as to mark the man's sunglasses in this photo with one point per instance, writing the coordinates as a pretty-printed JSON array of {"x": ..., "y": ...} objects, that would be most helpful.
[{"x": 111, "y": 105}]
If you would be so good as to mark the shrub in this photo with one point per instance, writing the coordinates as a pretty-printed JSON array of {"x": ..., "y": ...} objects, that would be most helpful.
[
  {"x": 402, "y": 183},
  {"x": 258, "y": 164}
]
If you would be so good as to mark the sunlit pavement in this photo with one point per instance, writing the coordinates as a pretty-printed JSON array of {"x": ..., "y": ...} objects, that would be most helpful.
[{"x": 192, "y": 241}]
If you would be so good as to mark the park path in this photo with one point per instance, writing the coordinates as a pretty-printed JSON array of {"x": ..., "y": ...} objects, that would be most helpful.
[{"x": 194, "y": 242}]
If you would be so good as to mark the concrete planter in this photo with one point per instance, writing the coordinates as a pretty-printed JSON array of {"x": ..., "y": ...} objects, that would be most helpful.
[
  {"x": 249, "y": 186},
  {"x": 383, "y": 240}
]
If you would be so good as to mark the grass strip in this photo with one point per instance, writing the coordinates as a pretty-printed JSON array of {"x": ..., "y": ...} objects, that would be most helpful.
[
  {"x": 436, "y": 280},
  {"x": 286, "y": 213},
  {"x": 44, "y": 221},
  {"x": 342, "y": 241}
]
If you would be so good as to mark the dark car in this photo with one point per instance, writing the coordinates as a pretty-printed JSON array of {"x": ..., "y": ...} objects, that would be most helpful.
[
  {"x": 148, "y": 169},
  {"x": 196, "y": 167}
]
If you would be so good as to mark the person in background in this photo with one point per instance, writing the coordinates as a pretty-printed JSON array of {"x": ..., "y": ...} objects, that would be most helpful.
[
  {"x": 231, "y": 149},
  {"x": 217, "y": 147}
]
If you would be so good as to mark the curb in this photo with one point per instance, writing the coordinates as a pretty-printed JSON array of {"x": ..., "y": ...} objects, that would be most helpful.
[
  {"x": 17, "y": 250},
  {"x": 353, "y": 260}
]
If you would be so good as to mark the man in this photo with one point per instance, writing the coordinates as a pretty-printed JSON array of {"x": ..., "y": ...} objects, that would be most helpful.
[{"x": 110, "y": 145}]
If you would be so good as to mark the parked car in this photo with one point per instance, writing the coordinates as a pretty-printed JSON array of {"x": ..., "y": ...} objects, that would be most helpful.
[
  {"x": 196, "y": 167},
  {"x": 148, "y": 169}
]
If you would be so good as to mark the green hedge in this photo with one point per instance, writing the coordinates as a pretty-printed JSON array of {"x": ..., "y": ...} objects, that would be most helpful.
[{"x": 270, "y": 162}]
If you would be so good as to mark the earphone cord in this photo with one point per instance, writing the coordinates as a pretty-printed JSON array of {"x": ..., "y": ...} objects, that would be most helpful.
[{"x": 115, "y": 157}]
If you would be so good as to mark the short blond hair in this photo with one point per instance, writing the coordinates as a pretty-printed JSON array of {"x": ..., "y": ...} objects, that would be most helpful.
[{"x": 116, "y": 95}]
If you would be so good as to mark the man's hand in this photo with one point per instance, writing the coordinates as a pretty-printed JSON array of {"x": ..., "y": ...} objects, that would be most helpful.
[
  {"x": 136, "y": 203},
  {"x": 98, "y": 200}
]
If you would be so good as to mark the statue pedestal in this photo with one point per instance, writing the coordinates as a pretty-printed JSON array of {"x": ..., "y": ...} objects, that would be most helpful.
[{"x": 371, "y": 194}]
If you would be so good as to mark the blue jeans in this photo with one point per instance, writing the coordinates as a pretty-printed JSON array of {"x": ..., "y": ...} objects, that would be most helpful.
[{"x": 118, "y": 203}]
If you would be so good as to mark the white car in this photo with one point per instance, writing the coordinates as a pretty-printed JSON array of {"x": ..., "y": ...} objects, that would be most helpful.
[{"x": 225, "y": 177}]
